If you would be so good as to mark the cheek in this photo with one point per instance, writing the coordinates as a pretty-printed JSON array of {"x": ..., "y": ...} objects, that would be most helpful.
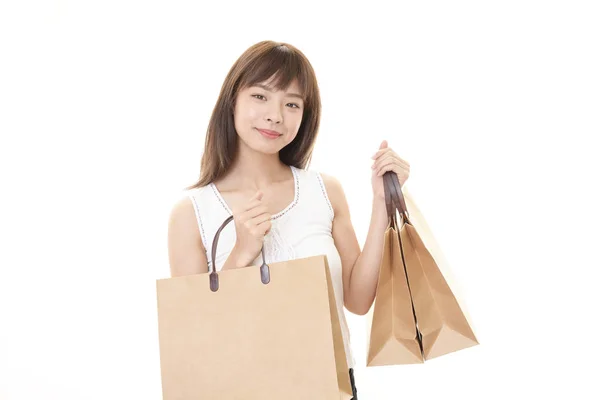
[
  {"x": 293, "y": 125},
  {"x": 252, "y": 112},
  {"x": 247, "y": 112},
  {"x": 297, "y": 121}
]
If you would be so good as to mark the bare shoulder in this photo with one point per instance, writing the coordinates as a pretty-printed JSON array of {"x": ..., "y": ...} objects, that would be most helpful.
[
  {"x": 182, "y": 215},
  {"x": 335, "y": 192},
  {"x": 186, "y": 251}
]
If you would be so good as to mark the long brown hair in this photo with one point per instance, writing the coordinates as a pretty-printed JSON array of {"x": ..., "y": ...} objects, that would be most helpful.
[{"x": 260, "y": 62}]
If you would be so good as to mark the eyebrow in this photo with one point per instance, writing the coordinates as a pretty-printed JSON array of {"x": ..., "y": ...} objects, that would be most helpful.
[{"x": 269, "y": 89}]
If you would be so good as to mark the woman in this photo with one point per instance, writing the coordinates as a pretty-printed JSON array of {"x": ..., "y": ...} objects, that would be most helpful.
[{"x": 258, "y": 146}]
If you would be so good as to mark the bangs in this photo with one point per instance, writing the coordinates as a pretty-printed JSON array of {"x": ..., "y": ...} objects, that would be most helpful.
[{"x": 281, "y": 66}]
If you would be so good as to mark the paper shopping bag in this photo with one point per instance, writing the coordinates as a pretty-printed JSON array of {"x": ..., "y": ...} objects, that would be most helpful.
[
  {"x": 443, "y": 326},
  {"x": 255, "y": 333},
  {"x": 393, "y": 335}
]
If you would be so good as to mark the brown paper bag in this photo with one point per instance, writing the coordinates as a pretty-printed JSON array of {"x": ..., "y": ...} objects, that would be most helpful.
[
  {"x": 255, "y": 333},
  {"x": 442, "y": 324},
  {"x": 420, "y": 224},
  {"x": 393, "y": 335}
]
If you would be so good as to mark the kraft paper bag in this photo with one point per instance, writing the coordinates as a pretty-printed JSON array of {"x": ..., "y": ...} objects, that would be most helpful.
[
  {"x": 393, "y": 335},
  {"x": 442, "y": 324},
  {"x": 255, "y": 333}
]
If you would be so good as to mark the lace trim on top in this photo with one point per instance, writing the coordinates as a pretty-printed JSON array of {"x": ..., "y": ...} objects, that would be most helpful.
[
  {"x": 196, "y": 208},
  {"x": 279, "y": 214},
  {"x": 320, "y": 179}
]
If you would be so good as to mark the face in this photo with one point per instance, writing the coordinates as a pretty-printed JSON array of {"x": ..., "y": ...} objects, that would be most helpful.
[{"x": 261, "y": 110}]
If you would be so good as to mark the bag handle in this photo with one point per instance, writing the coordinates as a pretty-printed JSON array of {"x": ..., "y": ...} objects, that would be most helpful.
[
  {"x": 394, "y": 198},
  {"x": 265, "y": 275}
]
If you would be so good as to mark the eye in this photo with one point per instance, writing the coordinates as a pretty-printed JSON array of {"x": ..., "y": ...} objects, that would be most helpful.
[{"x": 261, "y": 97}]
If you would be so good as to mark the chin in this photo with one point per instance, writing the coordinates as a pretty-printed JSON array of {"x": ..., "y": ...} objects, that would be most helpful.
[
  {"x": 266, "y": 149},
  {"x": 262, "y": 146}
]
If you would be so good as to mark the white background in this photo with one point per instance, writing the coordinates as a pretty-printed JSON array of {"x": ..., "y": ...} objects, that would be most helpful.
[{"x": 103, "y": 110}]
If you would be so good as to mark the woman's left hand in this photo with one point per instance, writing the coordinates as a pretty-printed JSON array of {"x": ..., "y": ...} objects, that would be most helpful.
[{"x": 387, "y": 160}]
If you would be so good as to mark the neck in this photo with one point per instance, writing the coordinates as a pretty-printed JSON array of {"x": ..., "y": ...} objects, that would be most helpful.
[{"x": 253, "y": 170}]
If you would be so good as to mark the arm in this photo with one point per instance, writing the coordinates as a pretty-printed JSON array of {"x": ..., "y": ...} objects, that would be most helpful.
[
  {"x": 186, "y": 251},
  {"x": 360, "y": 270}
]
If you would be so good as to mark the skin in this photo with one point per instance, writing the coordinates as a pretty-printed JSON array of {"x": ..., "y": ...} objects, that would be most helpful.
[{"x": 259, "y": 179}]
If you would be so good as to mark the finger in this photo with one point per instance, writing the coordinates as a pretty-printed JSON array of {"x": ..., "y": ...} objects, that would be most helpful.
[
  {"x": 400, "y": 171},
  {"x": 383, "y": 164},
  {"x": 252, "y": 223},
  {"x": 261, "y": 218},
  {"x": 264, "y": 227},
  {"x": 252, "y": 204},
  {"x": 381, "y": 160},
  {"x": 380, "y": 152},
  {"x": 389, "y": 165},
  {"x": 257, "y": 196},
  {"x": 399, "y": 161},
  {"x": 379, "y": 163},
  {"x": 384, "y": 169},
  {"x": 255, "y": 212}
]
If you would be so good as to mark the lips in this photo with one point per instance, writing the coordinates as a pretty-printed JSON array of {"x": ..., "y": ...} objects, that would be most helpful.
[{"x": 268, "y": 132}]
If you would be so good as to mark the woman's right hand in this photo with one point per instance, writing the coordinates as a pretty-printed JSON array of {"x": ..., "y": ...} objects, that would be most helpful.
[{"x": 252, "y": 223}]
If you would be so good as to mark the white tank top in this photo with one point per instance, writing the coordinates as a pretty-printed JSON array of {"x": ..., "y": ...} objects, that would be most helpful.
[{"x": 302, "y": 229}]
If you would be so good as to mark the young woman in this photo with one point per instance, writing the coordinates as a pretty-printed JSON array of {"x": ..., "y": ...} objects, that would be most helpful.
[{"x": 255, "y": 167}]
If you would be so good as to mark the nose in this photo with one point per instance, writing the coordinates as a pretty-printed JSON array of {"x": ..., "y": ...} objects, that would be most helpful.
[{"x": 274, "y": 115}]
